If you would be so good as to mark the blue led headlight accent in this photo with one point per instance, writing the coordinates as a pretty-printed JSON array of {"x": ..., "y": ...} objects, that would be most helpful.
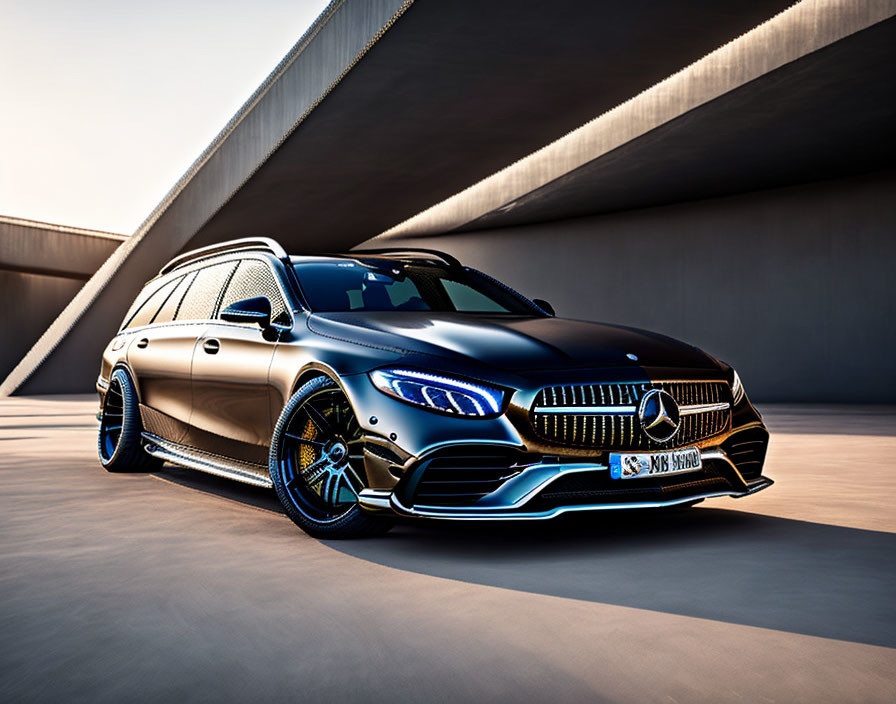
[{"x": 439, "y": 393}]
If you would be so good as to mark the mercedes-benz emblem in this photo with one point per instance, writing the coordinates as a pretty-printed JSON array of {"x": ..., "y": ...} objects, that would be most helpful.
[{"x": 659, "y": 415}]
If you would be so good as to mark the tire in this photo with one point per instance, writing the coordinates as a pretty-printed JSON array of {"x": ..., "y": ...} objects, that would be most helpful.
[
  {"x": 316, "y": 464},
  {"x": 119, "y": 442}
]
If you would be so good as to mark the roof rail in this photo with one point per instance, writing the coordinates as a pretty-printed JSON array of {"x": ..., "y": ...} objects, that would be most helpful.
[
  {"x": 246, "y": 244},
  {"x": 445, "y": 257}
]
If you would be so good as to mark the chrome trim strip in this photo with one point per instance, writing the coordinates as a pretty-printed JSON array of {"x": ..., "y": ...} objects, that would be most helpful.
[
  {"x": 375, "y": 498},
  {"x": 245, "y": 244},
  {"x": 622, "y": 410},
  {"x": 182, "y": 456},
  {"x": 587, "y": 410},
  {"x": 754, "y": 486},
  {"x": 703, "y": 408},
  {"x": 465, "y": 515},
  {"x": 102, "y": 384}
]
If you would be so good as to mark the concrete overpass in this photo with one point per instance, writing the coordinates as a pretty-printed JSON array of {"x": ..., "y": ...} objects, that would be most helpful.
[
  {"x": 384, "y": 108},
  {"x": 42, "y": 267},
  {"x": 750, "y": 211}
]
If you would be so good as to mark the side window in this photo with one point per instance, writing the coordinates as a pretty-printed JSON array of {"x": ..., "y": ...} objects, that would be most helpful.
[
  {"x": 202, "y": 296},
  {"x": 255, "y": 278},
  {"x": 169, "y": 308},
  {"x": 148, "y": 289},
  {"x": 466, "y": 299},
  {"x": 146, "y": 312}
]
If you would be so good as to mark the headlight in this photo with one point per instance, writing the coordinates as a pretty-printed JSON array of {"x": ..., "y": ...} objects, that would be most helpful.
[
  {"x": 737, "y": 389},
  {"x": 439, "y": 393}
]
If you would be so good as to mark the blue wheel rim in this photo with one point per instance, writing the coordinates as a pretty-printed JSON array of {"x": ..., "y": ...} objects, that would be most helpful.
[
  {"x": 320, "y": 457},
  {"x": 113, "y": 420}
]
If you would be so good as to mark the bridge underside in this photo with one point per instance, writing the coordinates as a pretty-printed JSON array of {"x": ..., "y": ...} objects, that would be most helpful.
[
  {"x": 385, "y": 109},
  {"x": 758, "y": 225},
  {"x": 828, "y": 115},
  {"x": 456, "y": 91}
]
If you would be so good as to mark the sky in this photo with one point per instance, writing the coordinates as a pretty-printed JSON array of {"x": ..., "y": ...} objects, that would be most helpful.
[{"x": 104, "y": 105}]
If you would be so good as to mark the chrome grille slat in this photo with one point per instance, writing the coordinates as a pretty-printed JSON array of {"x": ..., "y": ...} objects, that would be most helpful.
[{"x": 622, "y": 431}]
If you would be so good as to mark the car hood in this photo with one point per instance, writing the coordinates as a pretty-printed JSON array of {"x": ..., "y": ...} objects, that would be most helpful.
[{"x": 512, "y": 342}]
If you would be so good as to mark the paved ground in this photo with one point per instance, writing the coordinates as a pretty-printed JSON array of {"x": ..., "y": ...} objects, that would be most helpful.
[{"x": 181, "y": 587}]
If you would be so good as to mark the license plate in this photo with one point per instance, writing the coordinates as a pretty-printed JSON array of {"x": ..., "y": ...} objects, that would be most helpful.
[{"x": 651, "y": 464}]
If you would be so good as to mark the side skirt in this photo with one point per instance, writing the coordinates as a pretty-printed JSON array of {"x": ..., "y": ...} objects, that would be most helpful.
[{"x": 189, "y": 457}]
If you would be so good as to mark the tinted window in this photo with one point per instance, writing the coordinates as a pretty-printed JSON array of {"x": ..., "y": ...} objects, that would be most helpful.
[
  {"x": 380, "y": 285},
  {"x": 149, "y": 289},
  {"x": 255, "y": 278},
  {"x": 169, "y": 308},
  {"x": 147, "y": 310},
  {"x": 202, "y": 296},
  {"x": 467, "y": 299}
]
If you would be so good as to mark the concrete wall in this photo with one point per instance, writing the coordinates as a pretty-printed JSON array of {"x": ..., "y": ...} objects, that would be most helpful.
[
  {"x": 54, "y": 250},
  {"x": 42, "y": 268},
  {"x": 794, "y": 286},
  {"x": 30, "y": 303}
]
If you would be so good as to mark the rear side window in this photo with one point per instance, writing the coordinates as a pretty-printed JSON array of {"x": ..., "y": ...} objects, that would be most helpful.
[
  {"x": 202, "y": 296},
  {"x": 255, "y": 278},
  {"x": 149, "y": 289},
  {"x": 169, "y": 308},
  {"x": 150, "y": 305}
]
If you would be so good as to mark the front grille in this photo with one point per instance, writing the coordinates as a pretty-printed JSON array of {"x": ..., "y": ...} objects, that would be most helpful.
[
  {"x": 462, "y": 476},
  {"x": 615, "y": 431},
  {"x": 747, "y": 451}
]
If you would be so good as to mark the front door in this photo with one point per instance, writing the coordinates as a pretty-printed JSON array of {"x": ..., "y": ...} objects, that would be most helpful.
[
  {"x": 231, "y": 391},
  {"x": 231, "y": 394}
]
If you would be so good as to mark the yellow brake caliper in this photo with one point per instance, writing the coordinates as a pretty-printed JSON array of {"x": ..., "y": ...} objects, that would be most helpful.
[{"x": 307, "y": 455}]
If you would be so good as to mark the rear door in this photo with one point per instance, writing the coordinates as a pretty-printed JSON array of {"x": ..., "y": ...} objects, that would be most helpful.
[
  {"x": 231, "y": 391},
  {"x": 160, "y": 355}
]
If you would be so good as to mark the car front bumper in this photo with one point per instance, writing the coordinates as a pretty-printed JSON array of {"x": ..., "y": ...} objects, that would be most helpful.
[
  {"x": 499, "y": 469},
  {"x": 535, "y": 493}
]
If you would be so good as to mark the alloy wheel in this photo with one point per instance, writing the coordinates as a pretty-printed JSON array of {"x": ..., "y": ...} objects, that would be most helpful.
[{"x": 320, "y": 456}]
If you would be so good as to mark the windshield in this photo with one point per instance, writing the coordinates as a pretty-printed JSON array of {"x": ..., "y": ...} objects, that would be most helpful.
[{"x": 382, "y": 285}]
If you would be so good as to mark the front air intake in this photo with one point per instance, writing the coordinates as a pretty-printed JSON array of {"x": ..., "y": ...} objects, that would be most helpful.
[{"x": 461, "y": 476}]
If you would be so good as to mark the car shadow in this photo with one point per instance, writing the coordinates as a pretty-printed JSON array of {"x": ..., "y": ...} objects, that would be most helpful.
[
  {"x": 724, "y": 565},
  {"x": 717, "y": 564},
  {"x": 254, "y": 496}
]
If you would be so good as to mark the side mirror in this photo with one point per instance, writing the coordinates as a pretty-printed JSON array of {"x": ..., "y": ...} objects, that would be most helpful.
[
  {"x": 251, "y": 310},
  {"x": 544, "y": 305}
]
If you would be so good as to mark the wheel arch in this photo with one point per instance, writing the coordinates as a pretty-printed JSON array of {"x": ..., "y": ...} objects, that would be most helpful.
[
  {"x": 123, "y": 365},
  {"x": 312, "y": 371}
]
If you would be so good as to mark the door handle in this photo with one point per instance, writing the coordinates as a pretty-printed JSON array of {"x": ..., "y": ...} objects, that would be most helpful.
[
  {"x": 211, "y": 346},
  {"x": 142, "y": 342}
]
